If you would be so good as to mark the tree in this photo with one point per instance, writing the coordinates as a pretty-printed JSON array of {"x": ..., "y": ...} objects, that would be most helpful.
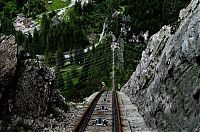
[
  {"x": 59, "y": 58},
  {"x": 19, "y": 37},
  {"x": 49, "y": 58},
  {"x": 20, "y": 3},
  {"x": 69, "y": 89},
  {"x": 79, "y": 56},
  {"x": 84, "y": 72},
  {"x": 52, "y": 14},
  {"x": 59, "y": 84},
  {"x": 45, "y": 23},
  {"x": 74, "y": 72},
  {"x": 35, "y": 43},
  {"x": 26, "y": 44},
  {"x": 34, "y": 7},
  {"x": 111, "y": 5},
  {"x": 69, "y": 82},
  {"x": 7, "y": 26},
  {"x": 2, "y": 3},
  {"x": 30, "y": 46}
]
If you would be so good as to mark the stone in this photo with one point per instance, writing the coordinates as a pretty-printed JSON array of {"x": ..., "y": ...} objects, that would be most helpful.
[
  {"x": 8, "y": 64},
  {"x": 27, "y": 97},
  {"x": 165, "y": 85},
  {"x": 32, "y": 92}
]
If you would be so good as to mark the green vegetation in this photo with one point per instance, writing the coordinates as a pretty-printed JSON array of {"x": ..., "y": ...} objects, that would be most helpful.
[
  {"x": 87, "y": 71},
  {"x": 7, "y": 27},
  {"x": 58, "y": 4},
  {"x": 152, "y": 14},
  {"x": 34, "y": 7},
  {"x": 73, "y": 70},
  {"x": 8, "y": 8}
]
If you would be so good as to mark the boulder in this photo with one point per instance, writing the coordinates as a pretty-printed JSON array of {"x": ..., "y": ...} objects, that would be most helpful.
[
  {"x": 33, "y": 89},
  {"x": 8, "y": 64},
  {"x": 25, "y": 84}
]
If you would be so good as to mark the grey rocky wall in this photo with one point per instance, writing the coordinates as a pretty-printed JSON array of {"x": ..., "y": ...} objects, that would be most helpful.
[
  {"x": 25, "y": 83},
  {"x": 166, "y": 84},
  {"x": 26, "y": 90}
]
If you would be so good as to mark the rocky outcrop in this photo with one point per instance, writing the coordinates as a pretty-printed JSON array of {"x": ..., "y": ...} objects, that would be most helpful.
[
  {"x": 26, "y": 91},
  {"x": 166, "y": 84},
  {"x": 25, "y": 83},
  {"x": 8, "y": 64},
  {"x": 33, "y": 89}
]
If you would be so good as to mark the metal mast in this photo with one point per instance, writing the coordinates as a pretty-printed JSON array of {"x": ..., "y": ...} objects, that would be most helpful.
[{"x": 113, "y": 46}]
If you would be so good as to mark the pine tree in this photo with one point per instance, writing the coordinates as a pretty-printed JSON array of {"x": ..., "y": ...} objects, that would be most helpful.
[
  {"x": 49, "y": 58},
  {"x": 59, "y": 81},
  {"x": 26, "y": 44},
  {"x": 20, "y": 3},
  {"x": 45, "y": 23},
  {"x": 7, "y": 26},
  {"x": 59, "y": 58},
  {"x": 74, "y": 72},
  {"x": 69, "y": 82},
  {"x": 19, "y": 37},
  {"x": 43, "y": 42},
  {"x": 30, "y": 46},
  {"x": 70, "y": 91},
  {"x": 35, "y": 43},
  {"x": 79, "y": 56}
]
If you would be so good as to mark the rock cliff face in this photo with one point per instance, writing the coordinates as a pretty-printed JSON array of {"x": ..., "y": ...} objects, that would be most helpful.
[
  {"x": 25, "y": 83},
  {"x": 25, "y": 88},
  {"x": 8, "y": 64},
  {"x": 166, "y": 83},
  {"x": 33, "y": 89}
]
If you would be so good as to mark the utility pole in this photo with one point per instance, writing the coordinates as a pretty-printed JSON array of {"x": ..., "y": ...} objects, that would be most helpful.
[
  {"x": 121, "y": 53},
  {"x": 113, "y": 46}
]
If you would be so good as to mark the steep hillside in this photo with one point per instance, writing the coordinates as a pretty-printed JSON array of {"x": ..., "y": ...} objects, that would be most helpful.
[{"x": 166, "y": 83}]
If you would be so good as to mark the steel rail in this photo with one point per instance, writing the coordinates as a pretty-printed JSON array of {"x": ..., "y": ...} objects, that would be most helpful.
[
  {"x": 117, "y": 126},
  {"x": 82, "y": 124}
]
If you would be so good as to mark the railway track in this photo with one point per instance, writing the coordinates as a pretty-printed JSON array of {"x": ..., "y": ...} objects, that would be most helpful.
[
  {"x": 117, "y": 127},
  {"x": 103, "y": 114}
]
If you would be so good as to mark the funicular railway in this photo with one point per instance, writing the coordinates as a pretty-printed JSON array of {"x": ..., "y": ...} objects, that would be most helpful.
[{"x": 103, "y": 114}]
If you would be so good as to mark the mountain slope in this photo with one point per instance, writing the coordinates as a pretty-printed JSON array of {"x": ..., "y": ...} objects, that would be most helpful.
[{"x": 166, "y": 83}]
